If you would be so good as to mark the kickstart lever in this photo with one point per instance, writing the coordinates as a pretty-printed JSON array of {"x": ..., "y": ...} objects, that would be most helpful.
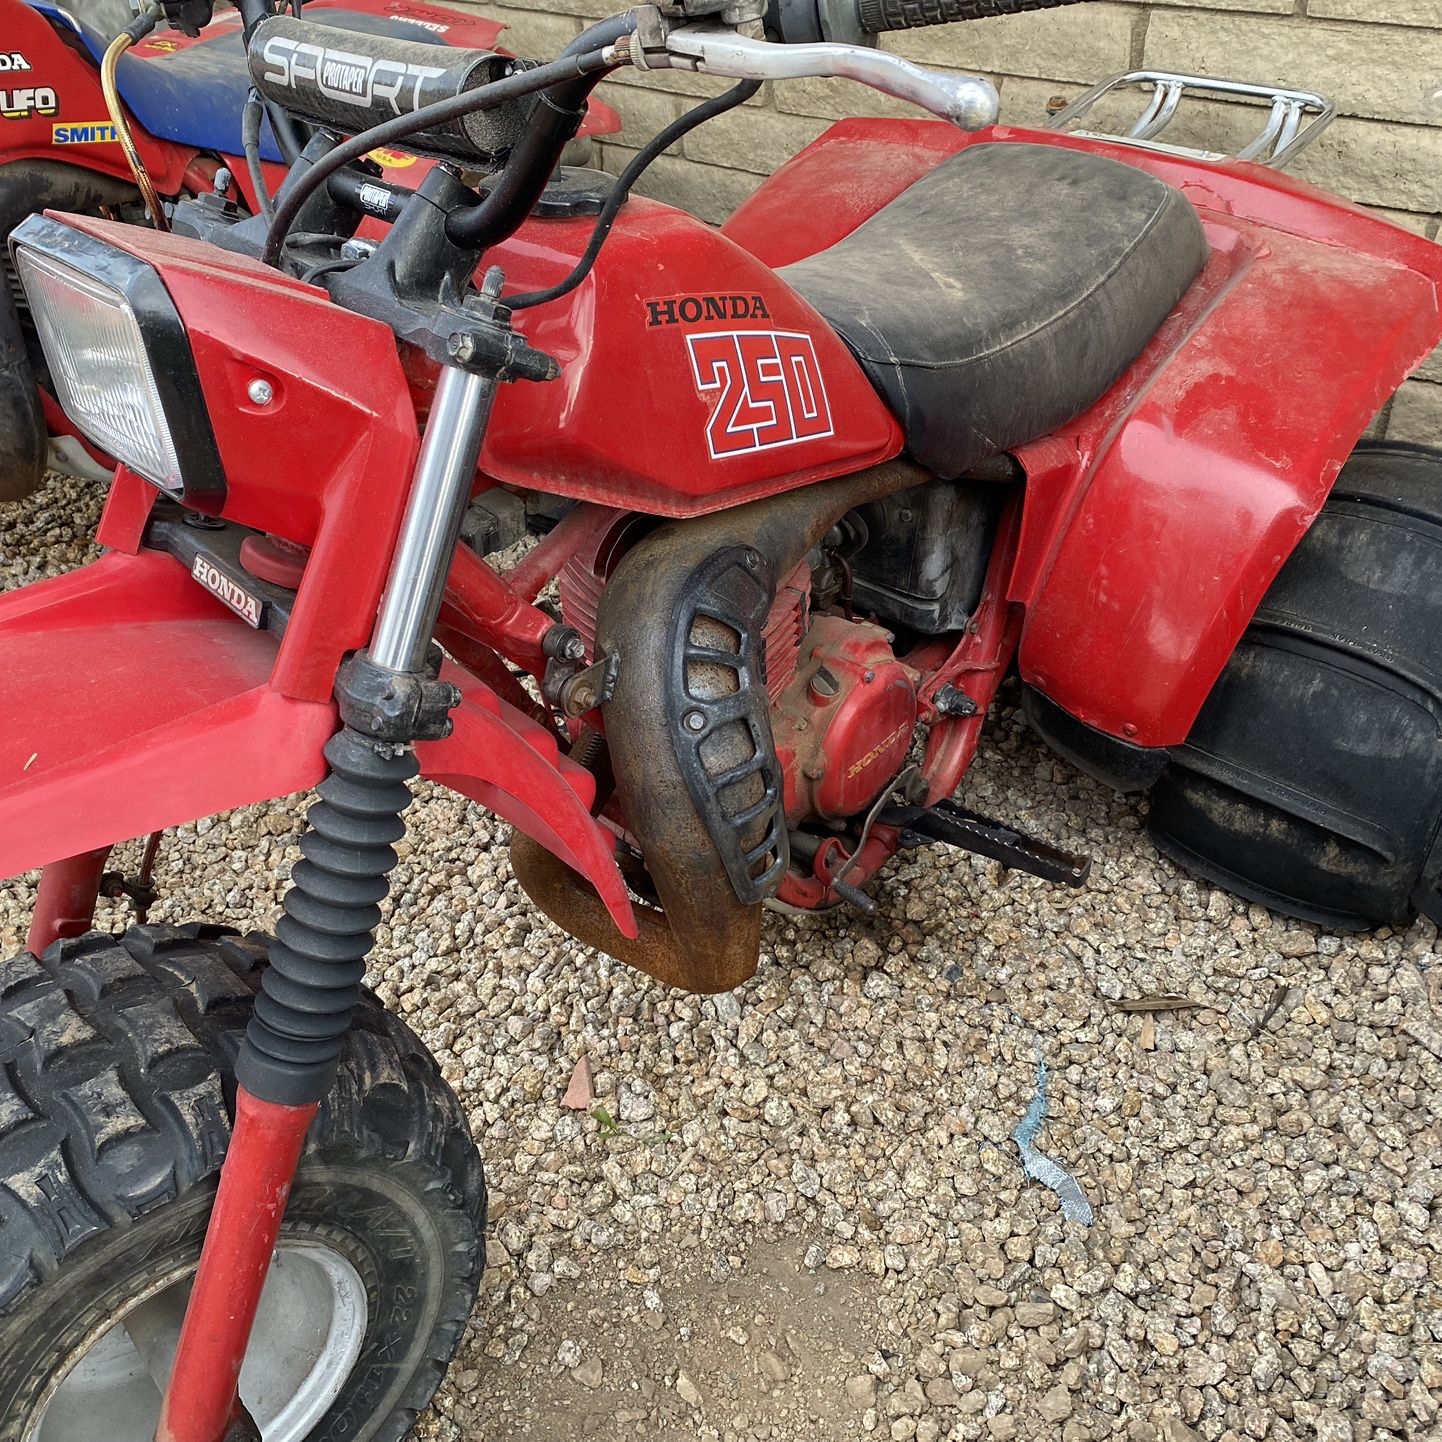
[{"x": 953, "y": 825}]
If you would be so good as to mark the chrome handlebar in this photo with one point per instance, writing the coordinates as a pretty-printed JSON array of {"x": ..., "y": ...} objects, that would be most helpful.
[{"x": 967, "y": 101}]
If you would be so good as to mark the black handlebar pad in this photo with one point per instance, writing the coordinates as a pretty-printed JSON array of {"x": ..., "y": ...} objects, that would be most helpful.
[
  {"x": 879, "y": 15},
  {"x": 349, "y": 82}
]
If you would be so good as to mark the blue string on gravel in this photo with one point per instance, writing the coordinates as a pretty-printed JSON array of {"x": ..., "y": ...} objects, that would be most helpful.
[{"x": 1039, "y": 1168}]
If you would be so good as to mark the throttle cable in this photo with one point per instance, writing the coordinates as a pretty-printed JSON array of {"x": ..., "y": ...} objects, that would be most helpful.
[
  {"x": 138, "y": 29},
  {"x": 659, "y": 143},
  {"x": 486, "y": 97}
]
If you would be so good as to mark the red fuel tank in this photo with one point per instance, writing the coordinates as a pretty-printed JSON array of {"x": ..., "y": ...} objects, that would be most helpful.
[{"x": 693, "y": 378}]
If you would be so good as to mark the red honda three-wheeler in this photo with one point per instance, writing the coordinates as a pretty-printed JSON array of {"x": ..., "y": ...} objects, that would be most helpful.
[{"x": 943, "y": 400}]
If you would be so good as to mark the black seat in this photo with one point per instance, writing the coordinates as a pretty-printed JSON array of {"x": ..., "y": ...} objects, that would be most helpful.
[{"x": 1004, "y": 292}]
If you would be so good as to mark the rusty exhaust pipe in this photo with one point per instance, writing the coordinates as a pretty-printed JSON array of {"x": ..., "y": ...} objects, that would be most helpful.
[{"x": 705, "y": 938}]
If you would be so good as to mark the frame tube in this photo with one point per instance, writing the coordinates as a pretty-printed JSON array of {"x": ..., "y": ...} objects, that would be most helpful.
[{"x": 65, "y": 900}]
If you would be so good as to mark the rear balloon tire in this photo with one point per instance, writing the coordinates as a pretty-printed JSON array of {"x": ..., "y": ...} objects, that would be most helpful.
[
  {"x": 116, "y": 1097},
  {"x": 1312, "y": 780}
]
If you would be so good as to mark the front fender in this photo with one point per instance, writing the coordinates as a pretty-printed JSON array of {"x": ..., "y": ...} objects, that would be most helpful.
[
  {"x": 509, "y": 763},
  {"x": 134, "y": 702}
]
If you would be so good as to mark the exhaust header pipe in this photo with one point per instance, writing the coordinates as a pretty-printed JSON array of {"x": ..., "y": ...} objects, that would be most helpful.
[{"x": 687, "y": 629}]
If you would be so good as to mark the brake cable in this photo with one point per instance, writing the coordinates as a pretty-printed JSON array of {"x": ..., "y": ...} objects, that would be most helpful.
[
  {"x": 485, "y": 97},
  {"x": 250, "y": 144},
  {"x": 659, "y": 143}
]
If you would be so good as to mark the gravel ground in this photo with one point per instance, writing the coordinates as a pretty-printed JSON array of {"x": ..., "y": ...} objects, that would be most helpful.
[{"x": 798, "y": 1212}]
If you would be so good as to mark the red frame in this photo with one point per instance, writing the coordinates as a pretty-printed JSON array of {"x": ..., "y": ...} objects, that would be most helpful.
[{"x": 1222, "y": 441}]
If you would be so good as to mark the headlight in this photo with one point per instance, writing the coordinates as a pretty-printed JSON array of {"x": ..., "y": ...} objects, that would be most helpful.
[{"x": 119, "y": 358}]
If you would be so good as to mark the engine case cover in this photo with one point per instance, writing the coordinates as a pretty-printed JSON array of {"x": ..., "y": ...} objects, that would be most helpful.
[{"x": 844, "y": 725}]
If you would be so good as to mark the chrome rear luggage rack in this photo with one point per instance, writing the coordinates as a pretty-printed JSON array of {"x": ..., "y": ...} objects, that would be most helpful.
[{"x": 1295, "y": 118}]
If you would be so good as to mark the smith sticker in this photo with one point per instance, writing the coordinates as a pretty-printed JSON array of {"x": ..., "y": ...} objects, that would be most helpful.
[
  {"x": 88, "y": 132},
  {"x": 248, "y": 607},
  {"x": 13, "y": 60},
  {"x": 692, "y": 309},
  {"x": 29, "y": 100},
  {"x": 765, "y": 388}
]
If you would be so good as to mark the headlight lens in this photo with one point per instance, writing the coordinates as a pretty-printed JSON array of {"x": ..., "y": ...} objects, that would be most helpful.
[
  {"x": 119, "y": 353},
  {"x": 99, "y": 365}
]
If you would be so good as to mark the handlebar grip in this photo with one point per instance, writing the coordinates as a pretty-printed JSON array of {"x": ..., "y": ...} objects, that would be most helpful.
[{"x": 877, "y": 16}]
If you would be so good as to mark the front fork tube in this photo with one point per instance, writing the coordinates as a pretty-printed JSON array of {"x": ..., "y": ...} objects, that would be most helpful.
[
  {"x": 254, "y": 1184},
  {"x": 295, "y": 1038}
]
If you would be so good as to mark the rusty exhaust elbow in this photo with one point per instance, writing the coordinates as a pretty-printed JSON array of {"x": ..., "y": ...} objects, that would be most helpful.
[{"x": 706, "y": 938}]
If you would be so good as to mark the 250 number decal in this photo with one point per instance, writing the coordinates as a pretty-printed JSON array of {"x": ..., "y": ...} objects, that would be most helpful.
[{"x": 767, "y": 387}]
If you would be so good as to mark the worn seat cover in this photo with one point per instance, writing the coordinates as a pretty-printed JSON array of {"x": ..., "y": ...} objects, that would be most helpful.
[{"x": 1004, "y": 292}]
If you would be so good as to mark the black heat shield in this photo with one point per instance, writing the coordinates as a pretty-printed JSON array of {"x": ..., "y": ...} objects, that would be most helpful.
[{"x": 349, "y": 82}]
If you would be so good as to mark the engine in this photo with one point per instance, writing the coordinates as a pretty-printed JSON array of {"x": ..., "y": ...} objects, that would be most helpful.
[
  {"x": 755, "y": 717},
  {"x": 843, "y": 726},
  {"x": 843, "y": 708},
  {"x": 584, "y": 577},
  {"x": 925, "y": 555}
]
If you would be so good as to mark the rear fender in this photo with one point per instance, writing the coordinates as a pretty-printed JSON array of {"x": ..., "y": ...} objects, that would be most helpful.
[{"x": 1155, "y": 523}]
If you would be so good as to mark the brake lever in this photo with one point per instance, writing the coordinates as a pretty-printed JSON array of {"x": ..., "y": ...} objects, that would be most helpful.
[{"x": 967, "y": 101}]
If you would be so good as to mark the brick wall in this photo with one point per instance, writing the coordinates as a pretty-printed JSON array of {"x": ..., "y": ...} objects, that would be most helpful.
[{"x": 1381, "y": 60}]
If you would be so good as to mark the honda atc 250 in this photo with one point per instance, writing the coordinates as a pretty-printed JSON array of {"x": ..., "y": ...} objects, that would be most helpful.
[{"x": 945, "y": 400}]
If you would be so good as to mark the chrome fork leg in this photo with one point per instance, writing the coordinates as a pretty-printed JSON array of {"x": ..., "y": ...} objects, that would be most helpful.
[
  {"x": 296, "y": 1034},
  {"x": 444, "y": 475}
]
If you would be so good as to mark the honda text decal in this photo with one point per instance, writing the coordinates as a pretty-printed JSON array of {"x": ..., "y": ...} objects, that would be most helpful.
[{"x": 767, "y": 387}]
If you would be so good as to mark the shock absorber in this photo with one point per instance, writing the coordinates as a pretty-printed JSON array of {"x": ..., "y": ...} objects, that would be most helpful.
[
  {"x": 389, "y": 696},
  {"x": 317, "y": 958}
]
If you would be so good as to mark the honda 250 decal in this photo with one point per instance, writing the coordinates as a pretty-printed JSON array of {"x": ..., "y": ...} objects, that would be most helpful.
[{"x": 766, "y": 386}]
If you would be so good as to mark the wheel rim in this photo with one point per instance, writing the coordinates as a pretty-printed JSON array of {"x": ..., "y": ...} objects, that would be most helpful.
[{"x": 308, "y": 1333}]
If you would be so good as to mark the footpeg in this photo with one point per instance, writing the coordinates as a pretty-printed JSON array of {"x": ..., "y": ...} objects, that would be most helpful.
[{"x": 953, "y": 825}]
